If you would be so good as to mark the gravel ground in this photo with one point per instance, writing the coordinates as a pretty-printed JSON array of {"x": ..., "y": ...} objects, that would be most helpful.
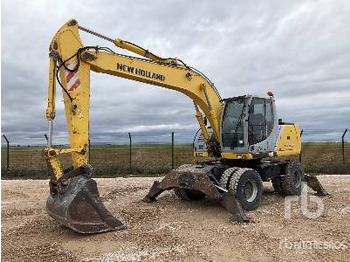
[{"x": 173, "y": 229}]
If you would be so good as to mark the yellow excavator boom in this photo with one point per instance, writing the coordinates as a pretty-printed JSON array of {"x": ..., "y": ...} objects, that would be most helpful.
[
  {"x": 70, "y": 66},
  {"x": 75, "y": 62}
]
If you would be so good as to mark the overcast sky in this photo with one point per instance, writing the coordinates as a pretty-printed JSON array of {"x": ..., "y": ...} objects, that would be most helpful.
[{"x": 298, "y": 49}]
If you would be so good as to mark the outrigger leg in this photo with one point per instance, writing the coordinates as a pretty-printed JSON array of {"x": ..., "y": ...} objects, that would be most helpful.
[
  {"x": 197, "y": 181},
  {"x": 315, "y": 184}
]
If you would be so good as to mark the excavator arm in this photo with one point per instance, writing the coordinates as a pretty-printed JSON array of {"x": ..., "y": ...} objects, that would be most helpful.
[
  {"x": 74, "y": 199},
  {"x": 73, "y": 62}
]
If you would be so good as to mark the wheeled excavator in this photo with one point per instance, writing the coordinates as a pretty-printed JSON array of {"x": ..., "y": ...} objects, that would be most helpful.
[{"x": 244, "y": 145}]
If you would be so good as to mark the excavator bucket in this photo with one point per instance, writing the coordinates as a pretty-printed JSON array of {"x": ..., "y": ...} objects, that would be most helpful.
[{"x": 74, "y": 202}]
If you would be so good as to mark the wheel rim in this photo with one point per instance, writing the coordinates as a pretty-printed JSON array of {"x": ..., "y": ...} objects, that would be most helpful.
[
  {"x": 250, "y": 190},
  {"x": 297, "y": 179}
]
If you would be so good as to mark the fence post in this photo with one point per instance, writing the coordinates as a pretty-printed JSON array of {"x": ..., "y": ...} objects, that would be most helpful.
[
  {"x": 130, "y": 165},
  {"x": 172, "y": 151},
  {"x": 8, "y": 153},
  {"x": 301, "y": 133},
  {"x": 89, "y": 152},
  {"x": 343, "y": 145}
]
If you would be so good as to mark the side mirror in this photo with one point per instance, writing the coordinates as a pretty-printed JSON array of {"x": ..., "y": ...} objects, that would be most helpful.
[{"x": 205, "y": 120}]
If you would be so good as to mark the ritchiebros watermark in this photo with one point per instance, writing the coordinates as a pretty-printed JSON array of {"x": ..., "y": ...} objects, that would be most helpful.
[
  {"x": 304, "y": 204},
  {"x": 313, "y": 244}
]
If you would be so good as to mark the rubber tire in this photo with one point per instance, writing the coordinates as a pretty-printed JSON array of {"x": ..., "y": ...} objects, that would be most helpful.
[
  {"x": 238, "y": 179},
  {"x": 287, "y": 181},
  {"x": 188, "y": 194},
  {"x": 277, "y": 185},
  {"x": 225, "y": 177}
]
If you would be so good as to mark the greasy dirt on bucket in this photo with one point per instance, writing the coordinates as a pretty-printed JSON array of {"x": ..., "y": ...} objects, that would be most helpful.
[{"x": 172, "y": 229}]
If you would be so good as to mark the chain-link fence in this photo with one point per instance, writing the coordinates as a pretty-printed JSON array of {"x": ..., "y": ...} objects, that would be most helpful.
[
  {"x": 146, "y": 155},
  {"x": 158, "y": 155},
  {"x": 138, "y": 157}
]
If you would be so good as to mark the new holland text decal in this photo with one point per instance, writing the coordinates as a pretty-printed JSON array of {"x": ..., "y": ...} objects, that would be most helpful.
[{"x": 140, "y": 72}]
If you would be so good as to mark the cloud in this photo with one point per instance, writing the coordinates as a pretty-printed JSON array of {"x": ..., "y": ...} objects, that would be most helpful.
[{"x": 298, "y": 49}]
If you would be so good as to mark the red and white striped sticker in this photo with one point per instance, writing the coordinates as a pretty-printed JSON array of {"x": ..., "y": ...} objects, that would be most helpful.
[{"x": 72, "y": 79}]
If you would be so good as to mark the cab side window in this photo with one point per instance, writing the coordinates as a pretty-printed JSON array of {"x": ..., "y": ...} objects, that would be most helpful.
[{"x": 257, "y": 121}]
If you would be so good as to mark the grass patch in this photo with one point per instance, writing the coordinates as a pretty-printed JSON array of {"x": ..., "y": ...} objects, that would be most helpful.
[{"x": 156, "y": 159}]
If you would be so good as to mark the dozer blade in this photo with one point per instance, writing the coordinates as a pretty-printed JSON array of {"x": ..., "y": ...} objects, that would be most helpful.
[{"x": 75, "y": 203}]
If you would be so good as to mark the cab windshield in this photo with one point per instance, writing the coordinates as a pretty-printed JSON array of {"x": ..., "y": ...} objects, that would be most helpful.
[{"x": 232, "y": 127}]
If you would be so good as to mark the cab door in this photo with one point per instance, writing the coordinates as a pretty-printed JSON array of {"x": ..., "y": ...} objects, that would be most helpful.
[{"x": 260, "y": 121}]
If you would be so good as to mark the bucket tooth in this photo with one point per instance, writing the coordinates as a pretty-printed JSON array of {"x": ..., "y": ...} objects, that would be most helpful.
[{"x": 75, "y": 203}]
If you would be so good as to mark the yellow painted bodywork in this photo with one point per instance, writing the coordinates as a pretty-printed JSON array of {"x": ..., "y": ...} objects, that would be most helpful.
[
  {"x": 171, "y": 75},
  {"x": 237, "y": 156},
  {"x": 201, "y": 154},
  {"x": 289, "y": 142},
  {"x": 67, "y": 46}
]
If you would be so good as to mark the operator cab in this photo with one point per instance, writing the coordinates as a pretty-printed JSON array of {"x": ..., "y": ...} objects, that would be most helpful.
[{"x": 249, "y": 124}]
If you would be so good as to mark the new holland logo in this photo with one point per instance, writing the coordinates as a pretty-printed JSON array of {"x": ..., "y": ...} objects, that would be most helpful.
[
  {"x": 140, "y": 72},
  {"x": 72, "y": 79},
  {"x": 289, "y": 146}
]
